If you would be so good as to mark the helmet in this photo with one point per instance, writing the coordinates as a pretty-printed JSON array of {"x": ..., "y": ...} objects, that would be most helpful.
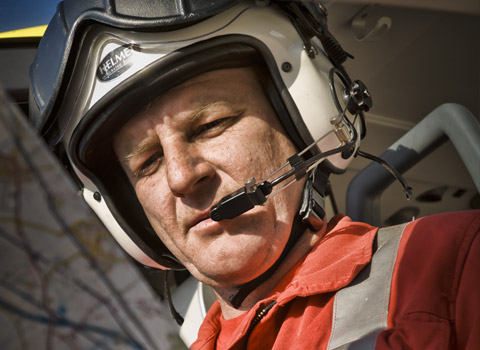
[{"x": 100, "y": 63}]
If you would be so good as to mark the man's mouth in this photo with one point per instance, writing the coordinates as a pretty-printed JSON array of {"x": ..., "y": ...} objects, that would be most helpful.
[{"x": 198, "y": 219}]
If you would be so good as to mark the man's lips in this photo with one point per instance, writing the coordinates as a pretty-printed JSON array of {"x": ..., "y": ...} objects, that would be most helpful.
[
  {"x": 204, "y": 215},
  {"x": 202, "y": 218}
]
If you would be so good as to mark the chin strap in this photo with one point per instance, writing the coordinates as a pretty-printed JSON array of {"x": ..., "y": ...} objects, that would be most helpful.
[
  {"x": 312, "y": 210},
  {"x": 237, "y": 298},
  {"x": 311, "y": 215}
]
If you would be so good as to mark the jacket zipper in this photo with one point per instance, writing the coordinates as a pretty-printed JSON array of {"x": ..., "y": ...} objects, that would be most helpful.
[{"x": 257, "y": 319}]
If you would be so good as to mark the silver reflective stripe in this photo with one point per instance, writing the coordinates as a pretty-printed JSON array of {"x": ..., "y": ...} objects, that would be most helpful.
[{"x": 360, "y": 310}]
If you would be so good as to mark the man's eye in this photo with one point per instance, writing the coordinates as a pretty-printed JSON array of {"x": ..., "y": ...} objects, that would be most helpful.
[
  {"x": 150, "y": 165},
  {"x": 211, "y": 125},
  {"x": 213, "y": 128}
]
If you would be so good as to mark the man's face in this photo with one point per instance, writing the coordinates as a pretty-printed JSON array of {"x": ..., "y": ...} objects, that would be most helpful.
[{"x": 191, "y": 147}]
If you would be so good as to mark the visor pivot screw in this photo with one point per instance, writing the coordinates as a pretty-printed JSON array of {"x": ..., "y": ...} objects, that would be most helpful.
[
  {"x": 286, "y": 67},
  {"x": 97, "y": 196}
]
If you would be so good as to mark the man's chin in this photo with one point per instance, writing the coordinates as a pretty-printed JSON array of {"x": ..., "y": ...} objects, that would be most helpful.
[{"x": 230, "y": 277}]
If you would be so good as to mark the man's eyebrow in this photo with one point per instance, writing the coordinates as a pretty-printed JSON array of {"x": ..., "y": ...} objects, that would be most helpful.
[
  {"x": 144, "y": 146},
  {"x": 200, "y": 111}
]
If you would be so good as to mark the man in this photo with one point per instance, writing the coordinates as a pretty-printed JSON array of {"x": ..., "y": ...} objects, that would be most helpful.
[
  {"x": 184, "y": 129},
  {"x": 190, "y": 148}
]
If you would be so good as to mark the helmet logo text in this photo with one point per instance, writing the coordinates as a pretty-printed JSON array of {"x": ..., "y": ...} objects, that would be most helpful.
[{"x": 116, "y": 62}]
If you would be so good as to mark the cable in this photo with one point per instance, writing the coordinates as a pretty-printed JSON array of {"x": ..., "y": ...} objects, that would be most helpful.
[
  {"x": 176, "y": 316},
  {"x": 408, "y": 190}
]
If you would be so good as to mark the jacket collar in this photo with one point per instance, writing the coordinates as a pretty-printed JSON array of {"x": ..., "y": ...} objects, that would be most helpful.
[{"x": 332, "y": 263}]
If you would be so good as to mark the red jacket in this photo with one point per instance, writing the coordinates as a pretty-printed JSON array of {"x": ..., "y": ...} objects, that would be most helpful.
[{"x": 433, "y": 302}]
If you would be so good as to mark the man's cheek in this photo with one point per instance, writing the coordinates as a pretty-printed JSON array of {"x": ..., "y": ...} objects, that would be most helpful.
[{"x": 164, "y": 230}]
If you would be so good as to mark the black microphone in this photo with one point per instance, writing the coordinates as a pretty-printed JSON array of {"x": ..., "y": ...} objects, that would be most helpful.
[{"x": 242, "y": 200}]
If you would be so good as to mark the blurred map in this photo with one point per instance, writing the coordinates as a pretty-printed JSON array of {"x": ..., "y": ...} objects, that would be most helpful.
[{"x": 65, "y": 283}]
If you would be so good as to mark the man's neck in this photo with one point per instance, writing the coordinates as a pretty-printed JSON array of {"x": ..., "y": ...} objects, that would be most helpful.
[{"x": 299, "y": 250}]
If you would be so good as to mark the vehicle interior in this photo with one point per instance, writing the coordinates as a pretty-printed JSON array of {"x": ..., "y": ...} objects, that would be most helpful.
[
  {"x": 420, "y": 62},
  {"x": 413, "y": 56}
]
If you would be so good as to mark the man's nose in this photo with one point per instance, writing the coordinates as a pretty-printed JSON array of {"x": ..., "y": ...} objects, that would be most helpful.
[{"x": 186, "y": 169}]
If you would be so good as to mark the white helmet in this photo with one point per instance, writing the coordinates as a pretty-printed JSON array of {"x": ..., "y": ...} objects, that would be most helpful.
[{"x": 98, "y": 65}]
